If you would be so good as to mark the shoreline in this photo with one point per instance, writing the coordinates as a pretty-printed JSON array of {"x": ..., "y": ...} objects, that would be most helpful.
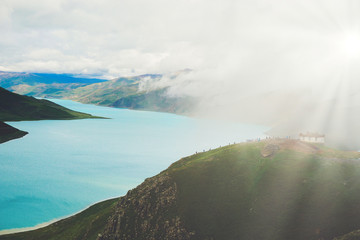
[
  {"x": 27, "y": 229},
  {"x": 45, "y": 224}
]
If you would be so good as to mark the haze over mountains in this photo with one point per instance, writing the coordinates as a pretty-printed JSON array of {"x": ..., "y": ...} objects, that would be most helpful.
[
  {"x": 289, "y": 111},
  {"x": 256, "y": 61},
  {"x": 290, "y": 65},
  {"x": 123, "y": 92}
]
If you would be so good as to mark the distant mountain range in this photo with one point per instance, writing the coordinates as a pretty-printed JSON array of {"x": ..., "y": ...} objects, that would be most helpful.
[
  {"x": 15, "y": 107},
  {"x": 35, "y": 84},
  {"x": 268, "y": 190},
  {"x": 121, "y": 92},
  {"x": 126, "y": 93},
  {"x": 8, "y": 79}
]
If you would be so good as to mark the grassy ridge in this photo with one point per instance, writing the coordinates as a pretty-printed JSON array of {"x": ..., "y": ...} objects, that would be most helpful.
[{"x": 235, "y": 193}]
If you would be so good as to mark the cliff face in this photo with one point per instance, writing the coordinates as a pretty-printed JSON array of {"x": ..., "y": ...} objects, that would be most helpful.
[{"x": 147, "y": 212}]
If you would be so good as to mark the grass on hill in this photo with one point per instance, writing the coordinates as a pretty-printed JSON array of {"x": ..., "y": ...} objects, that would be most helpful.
[
  {"x": 301, "y": 191},
  {"x": 235, "y": 193}
]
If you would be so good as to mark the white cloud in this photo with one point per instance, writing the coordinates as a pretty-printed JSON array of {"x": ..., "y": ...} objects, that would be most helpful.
[
  {"x": 280, "y": 41},
  {"x": 236, "y": 48},
  {"x": 262, "y": 59}
]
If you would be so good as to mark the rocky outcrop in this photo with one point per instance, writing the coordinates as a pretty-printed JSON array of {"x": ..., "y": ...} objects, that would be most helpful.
[
  {"x": 269, "y": 150},
  {"x": 272, "y": 146},
  {"x": 147, "y": 212}
]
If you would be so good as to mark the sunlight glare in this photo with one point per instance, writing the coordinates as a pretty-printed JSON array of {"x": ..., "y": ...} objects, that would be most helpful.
[{"x": 351, "y": 45}]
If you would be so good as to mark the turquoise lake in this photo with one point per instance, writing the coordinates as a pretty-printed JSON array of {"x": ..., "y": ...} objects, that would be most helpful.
[{"x": 61, "y": 167}]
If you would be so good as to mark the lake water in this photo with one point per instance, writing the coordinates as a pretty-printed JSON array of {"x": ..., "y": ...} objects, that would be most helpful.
[{"x": 62, "y": 167}]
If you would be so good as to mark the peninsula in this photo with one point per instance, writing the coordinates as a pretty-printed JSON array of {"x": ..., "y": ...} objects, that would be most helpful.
[{"x": 15, "y": 107}]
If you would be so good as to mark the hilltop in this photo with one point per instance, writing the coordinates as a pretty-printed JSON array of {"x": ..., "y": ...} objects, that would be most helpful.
[{"x": 275, "y": 189}]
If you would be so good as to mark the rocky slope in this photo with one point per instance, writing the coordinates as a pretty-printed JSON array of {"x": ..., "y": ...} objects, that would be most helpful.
[
  {"x": 298, "y": 191},
  {"x": 147, "y": 212}
]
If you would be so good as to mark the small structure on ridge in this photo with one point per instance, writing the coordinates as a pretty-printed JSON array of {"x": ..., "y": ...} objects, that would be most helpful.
[{"x": 312, "y": 137}]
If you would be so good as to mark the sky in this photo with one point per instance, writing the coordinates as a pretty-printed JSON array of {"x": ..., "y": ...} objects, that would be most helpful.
[
  {"x": 246, "y": 39},
  {"x": 264, "y": 58}
]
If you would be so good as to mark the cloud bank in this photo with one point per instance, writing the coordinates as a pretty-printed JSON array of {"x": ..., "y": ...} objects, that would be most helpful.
[
  {"x": 256, "y": 40},
  {"x": 271, "y": 61}
]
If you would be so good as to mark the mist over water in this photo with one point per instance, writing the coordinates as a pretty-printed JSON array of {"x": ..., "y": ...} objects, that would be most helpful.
[
  {"x": 288, "y": 64},
  {"x": 292, "y": 65}
]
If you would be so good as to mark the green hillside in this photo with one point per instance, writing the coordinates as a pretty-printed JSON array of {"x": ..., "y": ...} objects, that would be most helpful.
[
  {"x": 275, "y": 189},
  {"x": 14, "y": 107}
]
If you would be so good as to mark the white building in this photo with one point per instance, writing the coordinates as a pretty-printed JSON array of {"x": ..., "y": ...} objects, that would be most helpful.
[{"x": 312, "y": 137}]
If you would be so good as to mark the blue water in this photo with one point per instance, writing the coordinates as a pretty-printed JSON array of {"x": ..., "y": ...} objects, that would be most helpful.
[{"x": 62, "y": 167}]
